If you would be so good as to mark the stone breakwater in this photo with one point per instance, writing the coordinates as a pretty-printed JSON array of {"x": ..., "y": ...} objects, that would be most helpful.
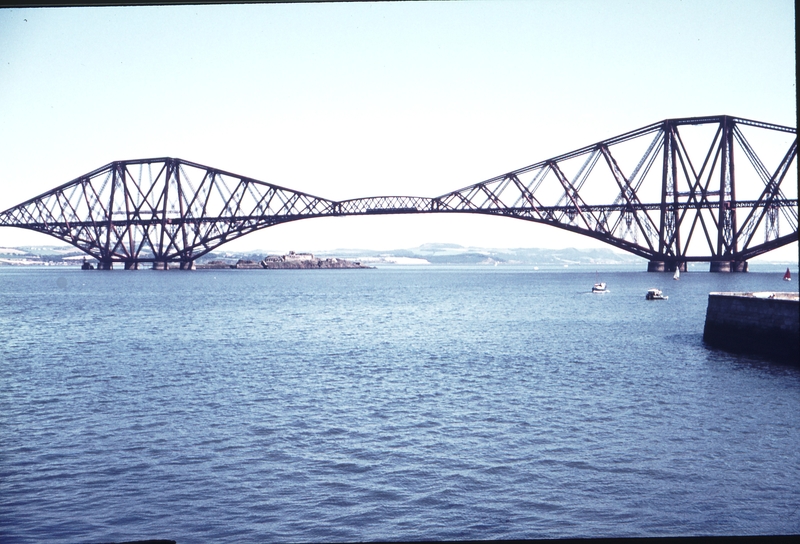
[{"x": 763, "y": 323}]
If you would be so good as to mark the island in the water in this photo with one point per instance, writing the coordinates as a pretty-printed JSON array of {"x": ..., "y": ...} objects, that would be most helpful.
[{"x": 291, "y": 261}]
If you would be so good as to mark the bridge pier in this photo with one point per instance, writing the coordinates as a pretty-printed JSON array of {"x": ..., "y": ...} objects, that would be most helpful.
[
  {"x": 720, "y": 266},
  {"x": 105, "y": 265},
  {"x": 164, "y": 265},
  {"x": 729, "y": 266},
  {"x": 666, "y": 266},
  {"x": 676, "y": 265},
  {"x": 132, "y": 265}
]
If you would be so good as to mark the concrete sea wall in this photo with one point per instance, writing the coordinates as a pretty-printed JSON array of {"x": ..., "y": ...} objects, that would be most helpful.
[{"x": 758, "y": 323}]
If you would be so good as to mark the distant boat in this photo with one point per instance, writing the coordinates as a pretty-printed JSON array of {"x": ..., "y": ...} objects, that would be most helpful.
[
  {"x": 655, "y": 294},
  {"x": 677, "y": 274},
  {"x": 598, "y": 287},
  {"x": 787, "y": 276}
]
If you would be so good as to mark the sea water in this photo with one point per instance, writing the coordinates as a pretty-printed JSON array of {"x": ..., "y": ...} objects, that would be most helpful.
[{"x": 399, "y": 403}]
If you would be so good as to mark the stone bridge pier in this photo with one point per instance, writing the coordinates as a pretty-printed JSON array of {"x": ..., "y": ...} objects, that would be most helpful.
[
  {"x": 666, "y": 266},
  {"x": 715, "y": 266},
  {"x": 729, "y": 266}
]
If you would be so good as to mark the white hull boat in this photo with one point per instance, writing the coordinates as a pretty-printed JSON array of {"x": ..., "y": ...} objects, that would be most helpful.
[{"x": 655, "y": 294}]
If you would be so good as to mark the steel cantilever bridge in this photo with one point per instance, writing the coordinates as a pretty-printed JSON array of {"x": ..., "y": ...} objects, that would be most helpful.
[{"x": 667, "y": 192}]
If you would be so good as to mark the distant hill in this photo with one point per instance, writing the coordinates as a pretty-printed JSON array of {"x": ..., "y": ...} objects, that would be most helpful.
[
  {"x": 456, "y": 254},
  {"x": 39, "y": 255},
  {"x": 432, "y": 253}
]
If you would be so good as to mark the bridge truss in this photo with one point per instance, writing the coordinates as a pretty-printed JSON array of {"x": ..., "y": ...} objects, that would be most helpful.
[{"x": 720, "y": 189}]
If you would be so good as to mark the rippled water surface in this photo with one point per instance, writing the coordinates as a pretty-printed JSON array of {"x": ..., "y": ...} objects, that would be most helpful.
[{"x": 397, "y": 403}]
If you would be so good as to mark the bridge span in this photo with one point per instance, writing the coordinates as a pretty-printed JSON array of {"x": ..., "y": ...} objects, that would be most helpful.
[{"x": 715, "y": 189}]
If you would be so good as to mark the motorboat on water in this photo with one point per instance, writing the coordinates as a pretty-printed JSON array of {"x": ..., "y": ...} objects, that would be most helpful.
[
  {"x": 655, "y": 294},
  {"x": 599, "y": 288}
]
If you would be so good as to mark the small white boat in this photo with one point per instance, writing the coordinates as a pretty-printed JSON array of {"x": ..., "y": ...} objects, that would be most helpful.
[
  {"x": 677, "y": 274},
  {"x": 599, "y": 288},
  {"x": 655, "y": 294}
]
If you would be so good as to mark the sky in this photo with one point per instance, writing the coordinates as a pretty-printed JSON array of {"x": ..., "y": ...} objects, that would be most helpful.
[{"x": 348, "y": 100}]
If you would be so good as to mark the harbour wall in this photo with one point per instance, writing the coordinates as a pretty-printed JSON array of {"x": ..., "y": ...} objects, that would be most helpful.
[{"x": 758, "y": 323}]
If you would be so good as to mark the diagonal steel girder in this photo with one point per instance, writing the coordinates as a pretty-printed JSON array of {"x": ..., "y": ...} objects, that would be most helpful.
[
  {"x": 694, "y": 215},
  {"x": 160, "y": 210},
  {"x": 171, "y": 210}
]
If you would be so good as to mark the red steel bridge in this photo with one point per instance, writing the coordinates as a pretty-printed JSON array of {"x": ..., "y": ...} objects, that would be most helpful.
[{"x": 716, "y": 189}]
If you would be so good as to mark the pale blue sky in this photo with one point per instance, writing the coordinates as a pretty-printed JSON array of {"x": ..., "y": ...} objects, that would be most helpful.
[{"x": 359, "y": 99}]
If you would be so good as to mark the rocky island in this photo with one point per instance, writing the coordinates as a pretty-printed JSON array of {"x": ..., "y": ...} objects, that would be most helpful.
[{"x": 291, "y": 261}]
